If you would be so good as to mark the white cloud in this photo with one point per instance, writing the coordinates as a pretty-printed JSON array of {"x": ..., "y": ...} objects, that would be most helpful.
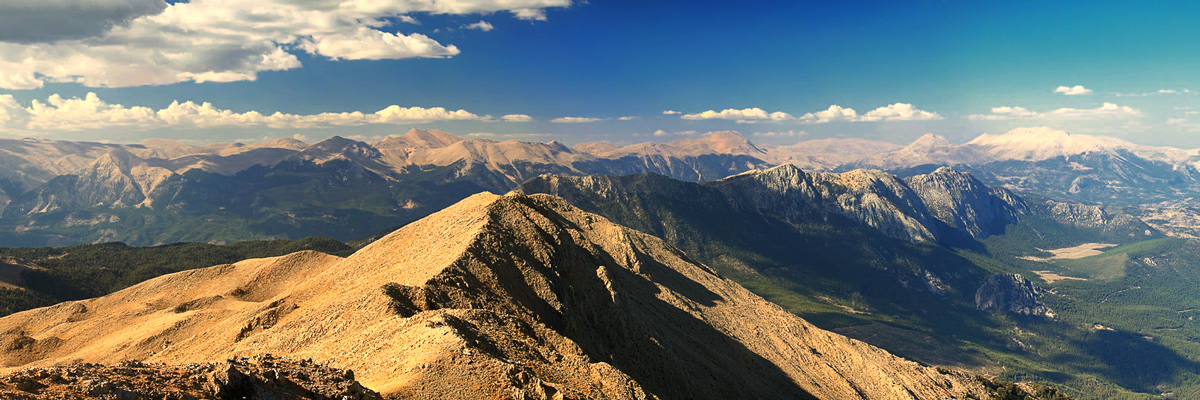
[
  {"x": 300, "y": 137},
  {"x": 626, "y": 118},
  {"x": 661, "y": 133},
  {"x": 575, "y": 120},
  {"x": 748, "y": 115},
  {"x": 900, "y": 112},
  {"x": 481, "y": 25},
  {"x": 92, "y": 113},
  {"x": 402, "y": 115},
  {"x": 141, "y": 42},
  {"x": 370, "y": 44},
  {"x": 893, "y": 112},
  {"x": 1073, "y": 90},
  {"x": 834, "y": 113},
  {"x": 517, "y": 118},
  {"x": 1157, "y": 93},
  {"x": 784, "y": 134},
  {"x": 1106, "y": 110},
  {"x": 670, "y": 112}
]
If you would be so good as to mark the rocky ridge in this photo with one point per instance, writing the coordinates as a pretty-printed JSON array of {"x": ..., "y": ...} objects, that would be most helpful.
[
  {"x": 510, "y": 296},
  {"x": 258, "y": 377}
]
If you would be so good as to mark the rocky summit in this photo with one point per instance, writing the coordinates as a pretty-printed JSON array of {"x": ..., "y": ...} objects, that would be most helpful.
[{"x": 495, "y": 297}]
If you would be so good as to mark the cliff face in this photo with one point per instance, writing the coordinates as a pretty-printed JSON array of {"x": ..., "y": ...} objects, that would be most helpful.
[
  {"x": 1011, "y": 293},
  {"x": 924, "y": 208},
  {"x": 497, "y": 296},
  {"x": 965, "y": 203}
]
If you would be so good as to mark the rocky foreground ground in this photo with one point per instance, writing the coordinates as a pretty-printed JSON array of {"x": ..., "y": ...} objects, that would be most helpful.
[{"x": 259, "y": 377}]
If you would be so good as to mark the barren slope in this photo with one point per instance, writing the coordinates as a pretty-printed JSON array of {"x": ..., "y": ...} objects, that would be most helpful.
[{"x": 497, "y": 296}]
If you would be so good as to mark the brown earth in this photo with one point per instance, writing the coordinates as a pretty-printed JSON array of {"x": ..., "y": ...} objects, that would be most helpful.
[{"x": 495, "y": 297}]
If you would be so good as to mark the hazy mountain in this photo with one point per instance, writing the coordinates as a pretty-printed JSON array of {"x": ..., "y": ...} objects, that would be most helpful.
[
  {"x": 162, "y": 191},
  {"x": 1079, "y": 168},
  {"x": 825, "y": 154},
  {"x": 493, "y": 296}
]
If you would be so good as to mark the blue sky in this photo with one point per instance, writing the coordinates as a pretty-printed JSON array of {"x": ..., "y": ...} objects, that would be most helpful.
[{"x": 954, "y": 68}]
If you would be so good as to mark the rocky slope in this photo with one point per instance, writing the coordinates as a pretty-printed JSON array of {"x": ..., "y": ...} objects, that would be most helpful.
[
  {"x": 497, "y": 296},
  {"x": 258, "y": 377},
  {"x": 1012, "y": 293}
]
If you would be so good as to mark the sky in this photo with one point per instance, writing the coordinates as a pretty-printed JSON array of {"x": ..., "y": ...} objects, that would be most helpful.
[{"x": 621, "y": 71}]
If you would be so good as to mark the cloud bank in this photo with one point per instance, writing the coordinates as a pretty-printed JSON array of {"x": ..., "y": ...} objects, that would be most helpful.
[
  {"x": 1106, "y": 110},
  {"x": 835, "y": 113},
  {"x": 121, "y": 43},
  {"x": 91, "y": 113}
]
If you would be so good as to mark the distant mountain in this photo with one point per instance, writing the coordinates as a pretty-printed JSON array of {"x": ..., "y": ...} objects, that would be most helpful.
[
  {"x": 825, "y": 154},
  {"x": 161, "y": 191},
  {"x": 1064, "y": 166},
  {"x": 494, "y": 296},
  {"x": 927, "y": 267}
]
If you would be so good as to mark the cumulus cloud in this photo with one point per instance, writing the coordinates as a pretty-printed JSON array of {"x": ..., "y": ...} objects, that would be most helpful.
[
  {"x": 92, "y": 113},
  {"x": 671, "y": 112},
  {"x": 117, "y": 43},
  {"x": 834, "y": 113},
  {"x": 900, "y": 112},
  {"x": 626, "y": 118},
  {"x": 575, "y": 120},
  {"x": 748, "y": 115},
  {"x": 481, "y": 25},
  {"x": 46, "y": 21},
  {"x": 517, "y": 118},
  {"x": 1073, "y": 90},
  {"x": 1106, "y": 110},
  {"x": 893, "y": 112},
  {"x": 370, "y": 44}
]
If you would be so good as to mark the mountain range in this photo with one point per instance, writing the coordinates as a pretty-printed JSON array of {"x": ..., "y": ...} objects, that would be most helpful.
[
  {"x": 161, "y": 191},
  {"x": 509, "y": 296}
]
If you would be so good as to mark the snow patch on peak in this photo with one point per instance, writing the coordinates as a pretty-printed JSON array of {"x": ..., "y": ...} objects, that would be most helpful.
[
  {"x": 1039, "y": 143},
  {"x": 930, "y": 141}
]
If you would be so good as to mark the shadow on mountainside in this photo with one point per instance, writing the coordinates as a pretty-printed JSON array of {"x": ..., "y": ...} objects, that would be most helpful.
[{"x": 670, "y": 352}]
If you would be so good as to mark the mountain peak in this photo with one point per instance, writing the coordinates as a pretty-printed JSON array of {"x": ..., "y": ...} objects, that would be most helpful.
[
  {"x": 723, "y": 142},
  {"x": 1039, "y": 143},
  {"x": 930, "y": 141},
  {"x": 430, "y": 138}
]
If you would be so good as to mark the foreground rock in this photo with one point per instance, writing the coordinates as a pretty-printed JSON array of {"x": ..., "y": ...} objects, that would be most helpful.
[
  {"x": 260, "y": 377},
  {"x": 497, "y": 296}
]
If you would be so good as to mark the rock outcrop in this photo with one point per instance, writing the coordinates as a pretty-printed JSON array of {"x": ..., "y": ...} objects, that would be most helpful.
[
  {"x": 498, "y": 296},
  {"x": 259, "y": 377},
  {"x": 1011, "y": 293}
]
